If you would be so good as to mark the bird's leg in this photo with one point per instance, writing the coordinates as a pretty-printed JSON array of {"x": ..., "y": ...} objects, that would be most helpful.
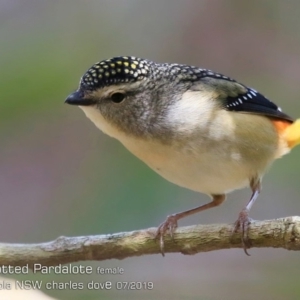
[
  {"x": 243, "y": 221},
  {"x": 171, "y": 222}
]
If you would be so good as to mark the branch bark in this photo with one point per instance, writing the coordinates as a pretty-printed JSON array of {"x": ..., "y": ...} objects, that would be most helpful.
[{"x": 278, "y": 233}]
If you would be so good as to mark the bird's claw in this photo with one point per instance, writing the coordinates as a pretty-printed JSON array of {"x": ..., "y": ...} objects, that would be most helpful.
[
  {"x": 242, "y": 225},
  {"x": 169, "y": 225}
]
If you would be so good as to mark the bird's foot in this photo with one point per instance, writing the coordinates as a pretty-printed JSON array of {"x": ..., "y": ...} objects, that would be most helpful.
[
  {"x": 170, "y": 226},
  {"x": 242, "y": 225}
]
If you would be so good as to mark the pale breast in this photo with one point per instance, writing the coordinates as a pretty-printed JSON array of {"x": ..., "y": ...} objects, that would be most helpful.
[{"x": 217, "y": 158}]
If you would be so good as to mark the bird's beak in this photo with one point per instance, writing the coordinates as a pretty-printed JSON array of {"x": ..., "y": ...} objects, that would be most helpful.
[{"x": 77, "y": 98}]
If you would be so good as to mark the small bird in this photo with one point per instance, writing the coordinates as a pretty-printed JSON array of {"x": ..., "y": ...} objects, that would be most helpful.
[{"x": 196, "y": 128}]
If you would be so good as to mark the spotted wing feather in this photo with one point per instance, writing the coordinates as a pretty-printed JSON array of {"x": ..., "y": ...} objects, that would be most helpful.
[
  {"x": 237, "y": 97},
  {"x": 254, "y": 102}
]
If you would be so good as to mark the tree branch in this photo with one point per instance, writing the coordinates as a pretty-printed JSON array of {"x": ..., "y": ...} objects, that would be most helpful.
[{"x": 278, "y": 233}]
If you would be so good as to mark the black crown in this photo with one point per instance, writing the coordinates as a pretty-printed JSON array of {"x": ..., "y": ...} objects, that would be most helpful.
[{"x": 116, "y": 70}]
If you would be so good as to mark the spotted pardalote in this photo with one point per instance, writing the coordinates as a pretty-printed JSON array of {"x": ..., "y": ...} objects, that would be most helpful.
[{"x": 196, "y": 128}]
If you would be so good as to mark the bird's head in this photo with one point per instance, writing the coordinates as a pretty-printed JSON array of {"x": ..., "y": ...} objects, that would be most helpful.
[{"x": 136, "y": 96}]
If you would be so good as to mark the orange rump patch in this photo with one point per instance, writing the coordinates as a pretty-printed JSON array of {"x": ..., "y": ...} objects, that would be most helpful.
[
  {"x": 289, "y": 132},
  {"x": 281, "y": 125}
]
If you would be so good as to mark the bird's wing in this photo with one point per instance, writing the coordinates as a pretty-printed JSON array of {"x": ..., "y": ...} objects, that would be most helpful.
[{"x": 234, "y": 96}]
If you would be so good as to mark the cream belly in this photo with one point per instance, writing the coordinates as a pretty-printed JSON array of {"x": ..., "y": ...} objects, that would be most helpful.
[
  {"x": 214, "y": 165},
  {"x": 192, "y": 171}
]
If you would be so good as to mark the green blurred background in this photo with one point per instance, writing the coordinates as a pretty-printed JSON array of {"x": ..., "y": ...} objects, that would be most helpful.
[{"x": 62, "y": 176}]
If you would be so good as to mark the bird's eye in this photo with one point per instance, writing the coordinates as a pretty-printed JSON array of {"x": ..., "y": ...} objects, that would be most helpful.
[{"x": 117, "y": 97}]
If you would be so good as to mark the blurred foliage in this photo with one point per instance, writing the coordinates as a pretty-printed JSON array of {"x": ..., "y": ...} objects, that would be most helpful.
[{"x": 60, "y": 176}]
